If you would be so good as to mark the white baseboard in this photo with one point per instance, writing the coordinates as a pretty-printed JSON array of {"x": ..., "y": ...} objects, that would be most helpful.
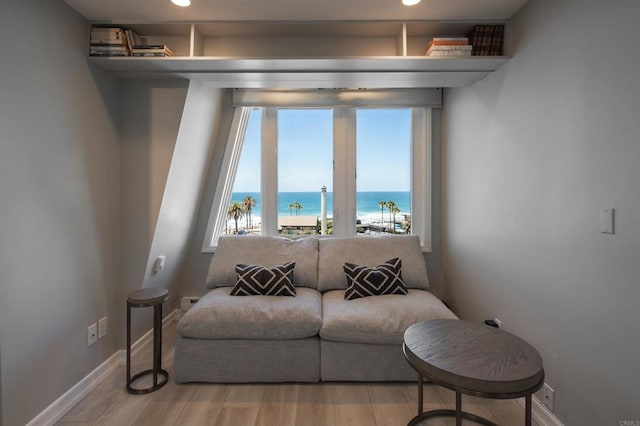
[
  {"x": 541, "y": 414},
  {"x": 66, "y": 402},
  {"x": 69, "y": 399},
  {"x": 62, "y": 405}
]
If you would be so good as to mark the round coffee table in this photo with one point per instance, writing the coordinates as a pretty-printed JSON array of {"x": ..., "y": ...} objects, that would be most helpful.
[{"x": 474, "y": 359}]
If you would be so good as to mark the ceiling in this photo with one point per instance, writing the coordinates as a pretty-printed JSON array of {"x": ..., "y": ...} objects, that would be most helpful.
[{"x": 127, "y": 11}]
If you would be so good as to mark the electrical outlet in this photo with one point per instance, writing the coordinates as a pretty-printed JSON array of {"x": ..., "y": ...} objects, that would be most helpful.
[
  {"x": 92, "y": 334},
  {"x": 497, "y": 321},
  {"x": 187, "y": 302},
  {"x": 547, "y": 396},
  {"x": 102, "y": 327}
]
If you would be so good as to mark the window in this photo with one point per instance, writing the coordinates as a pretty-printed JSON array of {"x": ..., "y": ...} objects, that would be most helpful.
[
  {"x": 305, "y": 166},
  {"x": 317, "y": 166},
  {"x": 244, "y": 208},
  {"x": 383, "y": 147}
]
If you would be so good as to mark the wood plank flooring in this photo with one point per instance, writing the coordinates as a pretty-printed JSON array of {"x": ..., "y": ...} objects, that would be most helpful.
[{"x": 321, "y": 404}]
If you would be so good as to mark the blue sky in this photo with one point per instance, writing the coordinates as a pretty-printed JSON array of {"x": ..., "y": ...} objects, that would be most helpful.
[{"x": 305, "y": 151}]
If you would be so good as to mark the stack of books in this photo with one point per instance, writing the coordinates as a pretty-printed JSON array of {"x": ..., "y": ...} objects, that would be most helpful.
[
  {"x": 487, "y": 40},
  {"x": 155, "y": 50},
  {"x": 449, "y": 46},
  {"x": 108, "y": 41},
  {"x": 117, "y": 41}
]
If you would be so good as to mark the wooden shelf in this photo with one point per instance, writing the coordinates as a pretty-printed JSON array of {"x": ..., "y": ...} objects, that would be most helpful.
[
  {"x": 310, "y": 72},
  {"x": 304, "y": 54}
]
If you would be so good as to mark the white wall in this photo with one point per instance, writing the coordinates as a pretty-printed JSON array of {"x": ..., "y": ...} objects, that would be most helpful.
[
  {"x": 59, "y": 206},
  {"x": 532, "y": 154}
]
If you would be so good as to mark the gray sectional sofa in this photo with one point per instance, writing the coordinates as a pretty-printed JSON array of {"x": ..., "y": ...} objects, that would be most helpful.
[{"x": 317, "y": 335}]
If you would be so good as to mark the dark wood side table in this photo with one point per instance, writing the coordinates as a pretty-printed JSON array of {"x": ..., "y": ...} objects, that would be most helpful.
[
  {"x": 141, "y": 299},
  {"x": 474, "y": 359}
]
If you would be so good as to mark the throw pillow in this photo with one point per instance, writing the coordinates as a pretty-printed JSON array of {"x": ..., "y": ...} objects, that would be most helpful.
[
  {"x": 363, "y": 281},
  {"x": 263, "y": 280}
]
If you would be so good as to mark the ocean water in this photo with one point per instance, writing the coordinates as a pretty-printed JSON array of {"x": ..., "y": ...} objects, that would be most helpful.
[{"x": 367, "y": 208}]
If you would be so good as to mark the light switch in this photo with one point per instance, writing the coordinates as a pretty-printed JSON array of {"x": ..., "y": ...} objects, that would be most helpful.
[{"x": 606, "y": 220}]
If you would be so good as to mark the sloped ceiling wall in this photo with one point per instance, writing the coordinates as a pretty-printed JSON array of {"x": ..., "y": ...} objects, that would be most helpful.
[{"x": 189, "y": 169}]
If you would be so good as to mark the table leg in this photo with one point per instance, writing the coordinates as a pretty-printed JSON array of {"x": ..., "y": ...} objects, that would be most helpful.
[
  {"x": 128, "y": 368},
  {"x": 458, "y": 409},
  {"x": 527, "y": 410},
  {"x": 420, "y": 391},
  {"x": 157, "y": 344}
]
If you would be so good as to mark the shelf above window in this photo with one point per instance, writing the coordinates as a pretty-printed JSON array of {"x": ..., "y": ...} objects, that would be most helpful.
[{"x": 310, "y": 72}]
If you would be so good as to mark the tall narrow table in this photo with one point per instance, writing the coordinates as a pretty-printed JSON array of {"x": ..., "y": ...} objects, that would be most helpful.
[
  {"x": 148, "y": 297},
  {"x": 474, "y": 359}
]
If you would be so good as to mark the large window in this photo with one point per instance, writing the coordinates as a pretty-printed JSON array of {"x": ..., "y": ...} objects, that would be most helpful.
[{"x": 325, "y": 170}]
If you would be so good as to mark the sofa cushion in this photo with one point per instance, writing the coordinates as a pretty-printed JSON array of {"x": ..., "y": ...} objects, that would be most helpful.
[
  {"x": 370, "y": 251},
  {"x": 218, "y": 315},
  {"x": 268, "y": 281},
  {"x": 267, "y": 251},
  {"x": 377, "y": 319},
  {"x": 363, "y": 281}
]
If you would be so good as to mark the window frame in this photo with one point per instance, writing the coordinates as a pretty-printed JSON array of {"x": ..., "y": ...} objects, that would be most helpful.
[{"x": 344, "y": 104}]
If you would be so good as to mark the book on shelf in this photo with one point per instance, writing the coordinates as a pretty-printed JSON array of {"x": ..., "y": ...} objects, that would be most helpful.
[
  {"x": 108, "y": 41},
  {"x": 448, "y": 46},
  {"x": 108, "y": 51},
  {"x": 133, "y": 39},
  {"x": 448, "y": 41},
  {"x": 461, "y": 49},
  {"x": 487, "y": 40},
  {"x": 450, "y": 53},
  {"x": 156, "y": 50}
]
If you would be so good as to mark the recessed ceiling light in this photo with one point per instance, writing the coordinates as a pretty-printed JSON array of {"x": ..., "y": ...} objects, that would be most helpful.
[
  {"x": 185, "y": 3},
  {"x": 410, "y": 2}
]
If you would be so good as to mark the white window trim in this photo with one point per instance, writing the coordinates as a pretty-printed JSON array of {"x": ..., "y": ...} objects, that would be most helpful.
[
  {"x": 269, "y": 165},
  {"x": 344, "y": 171},
  {"x": 344, "y": 146},
  {"x": 226, "y": 178}
]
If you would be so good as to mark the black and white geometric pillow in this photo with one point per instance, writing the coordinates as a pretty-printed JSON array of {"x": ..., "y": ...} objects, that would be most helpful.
[
  {"x": 363, "y": 281},
  {"x": 264, "y": 280}
]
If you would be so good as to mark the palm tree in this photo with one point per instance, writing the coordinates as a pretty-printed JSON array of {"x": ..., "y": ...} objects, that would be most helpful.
[
  {"x": 235, "y": 212},
  {"x": 291, "y": 206},
  {"x": 391, "y": 205},
  {"x": 394, "y": 210},
  {"x": 298, "y": 207},
  {"x": 382, "y": 205},
  {"x": 248, "y": 203}
]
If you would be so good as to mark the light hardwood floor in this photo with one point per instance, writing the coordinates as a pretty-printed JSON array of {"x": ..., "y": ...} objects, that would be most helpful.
[{"x": 326, "y": 404}]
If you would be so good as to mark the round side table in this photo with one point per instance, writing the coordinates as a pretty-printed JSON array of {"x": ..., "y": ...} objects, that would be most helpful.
[
  {"x": 142, "y": 299},
  {"x": 473, "y": 359}
]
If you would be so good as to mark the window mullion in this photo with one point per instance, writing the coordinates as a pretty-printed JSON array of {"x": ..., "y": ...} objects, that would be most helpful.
[
  {"x": 421, "y": 142},
  {"x": 344, "y": 171},
  {"x": 269, "y": 165}
]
